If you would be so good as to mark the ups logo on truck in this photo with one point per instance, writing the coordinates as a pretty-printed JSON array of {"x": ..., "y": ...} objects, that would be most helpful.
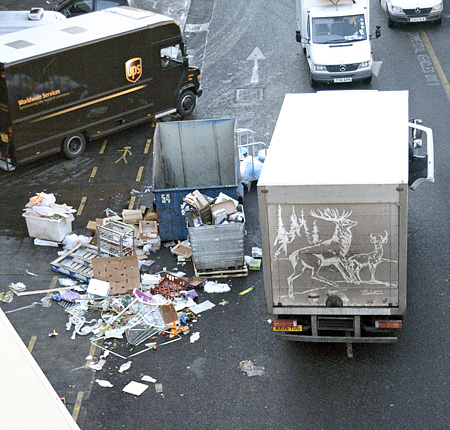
[{"x": 133, "y": 69}]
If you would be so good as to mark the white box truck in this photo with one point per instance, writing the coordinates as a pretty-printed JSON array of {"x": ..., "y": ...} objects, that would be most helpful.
[
  {"x": 335, "y": 37},
  {"x": 333, "y": 205}
]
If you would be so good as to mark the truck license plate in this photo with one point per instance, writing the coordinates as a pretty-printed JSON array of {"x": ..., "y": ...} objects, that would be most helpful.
[
  {"x": 418, "y": 19},
  {"x": 297, "y": 328},
  {"x": 340, "y": 80}
]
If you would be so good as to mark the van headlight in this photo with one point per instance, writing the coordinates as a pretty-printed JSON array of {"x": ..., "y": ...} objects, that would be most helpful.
[
  {"x": 437, "y": 8},
  {"x": 364, "y": 65},
  {"x": 396, "y": 9},
  {"x": 320, "y": 67}
]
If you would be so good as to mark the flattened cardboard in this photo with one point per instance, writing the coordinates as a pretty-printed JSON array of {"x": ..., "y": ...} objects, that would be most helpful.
[
  {"x": 228, "y": 205},
  {"x": 122, "y": 273}
]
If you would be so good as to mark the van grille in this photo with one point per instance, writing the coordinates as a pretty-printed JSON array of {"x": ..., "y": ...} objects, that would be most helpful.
[
  {"x": 339, "y": 67},
  {"x": 419, "y": 12},
  {"x": 335, "y": 323}
]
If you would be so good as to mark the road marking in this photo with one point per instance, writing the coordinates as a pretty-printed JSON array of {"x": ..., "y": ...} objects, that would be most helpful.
[
  {"x": 147, "y": 146},
  {"x": 91, "y": 353},
  {"x": 126, "y": 151},
  {"x": 255, "y": 56},
  {"x": 31, "y": 343},
  {"x": 422, "y": 54},
  {"x": 77, "y": 407},
  {"x": 436, "y": 63},
  {"x": 81, "y": 207},
  {"x": 139, "y": 175},
  {"x": 376, "y": 67},
  {"x": 132, "y": 200},
  {"x": 102, "y": 149},
  {"x": 94, "y": 172}
]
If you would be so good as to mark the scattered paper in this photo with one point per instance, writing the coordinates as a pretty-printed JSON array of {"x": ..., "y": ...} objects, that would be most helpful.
[
  {"x": 125, "y": 366},
  {"x": 30, "y": 273},
  {"x": 135, "y": 388},
  {"x": 104, "y": 383},
  {"x": 147, "y": 378},
  {"x": 204, "y": 306},
  {"x": 43, "y": 242},
  {"x": 215, "y": 287},
  {"x": 158, "y": 388},
  {"x": 194, "y": 337}
]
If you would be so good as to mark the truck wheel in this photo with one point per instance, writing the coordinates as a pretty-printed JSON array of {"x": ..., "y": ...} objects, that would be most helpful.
[
  {"x": 186, "y": 103},
  {"x": 312, "y": 82},
  {"x": 390, "y": 22},
  {"x": 439, "y": 21},
  {"x": 74, "y": 145},
  {"x": 368, "y": 80}
]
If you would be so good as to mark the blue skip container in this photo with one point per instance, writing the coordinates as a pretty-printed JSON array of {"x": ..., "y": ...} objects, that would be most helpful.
[{"x": 188, "y": 156}]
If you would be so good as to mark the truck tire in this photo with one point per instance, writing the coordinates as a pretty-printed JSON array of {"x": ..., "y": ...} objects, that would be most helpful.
[
  {"x": 368, "y": 80},
  {"x": 186, "y": 103},
  {"x": 312, "y": 82},
  {"x": 438, "y": 21},
  {"x": 74, "y": 145},
  {"x": 391, "y": 23}
]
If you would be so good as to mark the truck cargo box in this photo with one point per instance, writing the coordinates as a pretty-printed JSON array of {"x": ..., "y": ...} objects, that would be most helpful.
[{"x": 333, "y": 203}]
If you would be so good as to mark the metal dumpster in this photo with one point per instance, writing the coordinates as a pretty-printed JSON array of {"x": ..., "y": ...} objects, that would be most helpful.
[{"x": 187, "y": 156}]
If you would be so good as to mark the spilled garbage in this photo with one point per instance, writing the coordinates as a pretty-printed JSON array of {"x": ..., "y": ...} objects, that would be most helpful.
[{"x": 112, "y": 294}]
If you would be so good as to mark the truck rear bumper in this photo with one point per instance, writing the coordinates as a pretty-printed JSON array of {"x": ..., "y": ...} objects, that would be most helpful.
[
  {"x": 336, "y": 339},
  {"x": 339, "y": 329}
]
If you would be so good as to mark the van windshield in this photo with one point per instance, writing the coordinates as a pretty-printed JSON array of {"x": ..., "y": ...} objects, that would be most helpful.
[{"x": 339, "y": 29}]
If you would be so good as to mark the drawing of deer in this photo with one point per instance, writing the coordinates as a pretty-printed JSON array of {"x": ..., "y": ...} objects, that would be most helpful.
[
  {"x": 330, "y": 252},
  {"x": 370, "y": 260}
]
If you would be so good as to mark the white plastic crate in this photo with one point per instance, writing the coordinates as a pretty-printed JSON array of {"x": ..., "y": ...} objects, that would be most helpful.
[{"x": 48, "y": 229}]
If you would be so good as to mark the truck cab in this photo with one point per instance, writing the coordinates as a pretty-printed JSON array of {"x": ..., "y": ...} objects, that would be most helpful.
[{"x": 336, "y": 40}]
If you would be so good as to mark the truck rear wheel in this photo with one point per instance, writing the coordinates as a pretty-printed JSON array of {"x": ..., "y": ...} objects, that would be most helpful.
[
  {"x": 74, "y": 145},
  {"x": 186, "y": 103}
]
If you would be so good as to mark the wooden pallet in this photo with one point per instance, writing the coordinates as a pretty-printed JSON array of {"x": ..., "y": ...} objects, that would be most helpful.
[
  {"x": 232, "y": 272},
  {"x": 77, "y": 262}
]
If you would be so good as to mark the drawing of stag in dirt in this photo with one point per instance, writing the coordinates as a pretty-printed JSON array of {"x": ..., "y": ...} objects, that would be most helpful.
[
  {"x": 330, "y": 252},
  {"x": 370, "y": 260}
]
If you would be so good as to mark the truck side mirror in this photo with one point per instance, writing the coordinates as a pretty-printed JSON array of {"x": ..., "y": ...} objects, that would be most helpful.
[{"x": 298, "y": 36}]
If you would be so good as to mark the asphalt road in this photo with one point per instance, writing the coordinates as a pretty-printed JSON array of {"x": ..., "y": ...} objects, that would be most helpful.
[{"x": 401, "y": 386}]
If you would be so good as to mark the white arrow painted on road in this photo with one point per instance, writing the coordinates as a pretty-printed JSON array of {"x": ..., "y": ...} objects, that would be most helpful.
[
  {"x": 376, "y": 67},
  {"x": 255, "y": 56}
]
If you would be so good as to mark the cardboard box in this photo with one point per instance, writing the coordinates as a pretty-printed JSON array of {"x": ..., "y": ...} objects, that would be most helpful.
[
  {"x": 228, "y": 205},
  {"x": 122, "y": 273},
  {"x": 148, "y": 214},
  {"x": 148, "y": 230},
  {"x": 131, "y": 216},
  {"x": 98, "y": 287}
]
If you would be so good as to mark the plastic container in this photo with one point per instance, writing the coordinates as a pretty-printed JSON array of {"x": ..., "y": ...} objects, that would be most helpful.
[{"x": 48, "y": 229}]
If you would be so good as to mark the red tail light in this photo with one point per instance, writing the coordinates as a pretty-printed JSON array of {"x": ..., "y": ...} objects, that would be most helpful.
[{"x": 388, "y": 324}]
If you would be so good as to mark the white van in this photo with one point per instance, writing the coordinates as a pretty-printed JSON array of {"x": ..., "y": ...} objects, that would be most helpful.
[
  {"x": 15, "y": 20},
  {"x": 335, "y": 36},
  {"x": 406, "y": 11}
]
